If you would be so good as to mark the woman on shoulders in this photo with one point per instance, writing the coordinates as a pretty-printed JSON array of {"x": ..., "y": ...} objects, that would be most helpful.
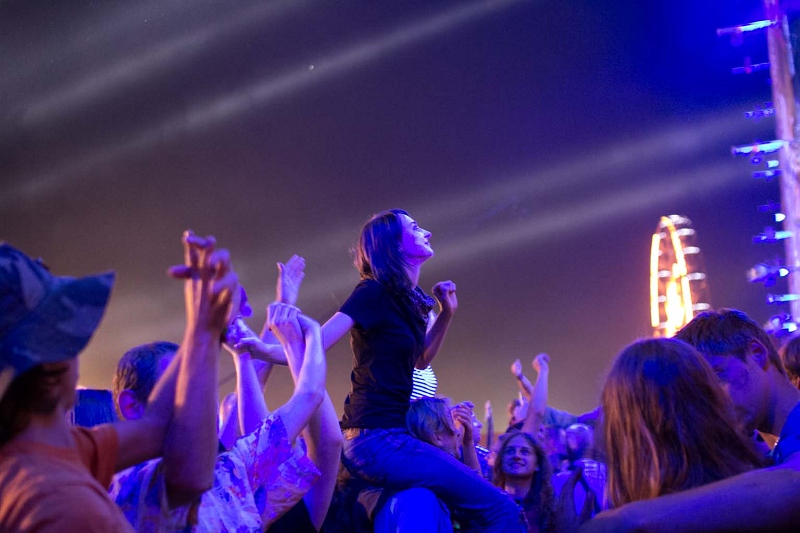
[{"x": 387, "y": 315}]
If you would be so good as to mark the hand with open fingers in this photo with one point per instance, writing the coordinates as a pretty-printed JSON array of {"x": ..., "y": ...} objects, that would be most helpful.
[
  {"x": 290, "y": 277},
  {"x": 516, "y": 368},
  {"x": 445, "y": 294},
  {"x": 568, "y": 519},
  {"x": 282, "y": 320},
  {"x": 210, "y": 283},
  {"x": 541, "y": 363}
]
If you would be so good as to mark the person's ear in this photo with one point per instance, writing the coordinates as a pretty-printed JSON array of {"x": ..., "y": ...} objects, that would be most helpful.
[
  {"x": 129, "y": 406},
  {"x": 759, "y": 353}
]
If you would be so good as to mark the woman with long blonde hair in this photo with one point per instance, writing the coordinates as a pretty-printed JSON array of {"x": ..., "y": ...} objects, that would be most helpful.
[{"x": 668, "y": 425}]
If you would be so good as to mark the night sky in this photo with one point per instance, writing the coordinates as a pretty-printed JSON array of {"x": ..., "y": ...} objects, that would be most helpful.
[{"x": 539, "y": 142}]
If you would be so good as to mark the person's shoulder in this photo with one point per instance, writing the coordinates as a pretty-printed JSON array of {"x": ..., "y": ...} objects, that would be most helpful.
[
  {"x": 96, "y": 437},
  {"x": 369, "y": 285}
]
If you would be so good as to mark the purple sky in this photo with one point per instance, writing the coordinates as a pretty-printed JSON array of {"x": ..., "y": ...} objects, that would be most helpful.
[{"x": 539, "y": 142}]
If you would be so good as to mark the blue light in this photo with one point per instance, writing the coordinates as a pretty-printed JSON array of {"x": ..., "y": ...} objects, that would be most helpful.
[
  {"x": 767, "y": 174},
  {"x": 752, "y": 26},
  {"x": 760, "y": 113},
  {"x": 773, "y": 163},
  {"x": 780, "y": 298},
  {"x": 780, "y": 217},
  {"x": 763, "y": 148},
  {"x": 748, "y": 67},
  {"x": 770, "y": 235}
]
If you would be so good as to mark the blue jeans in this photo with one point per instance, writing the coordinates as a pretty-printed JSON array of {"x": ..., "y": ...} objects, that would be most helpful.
[{"x": 393, "y": 459}]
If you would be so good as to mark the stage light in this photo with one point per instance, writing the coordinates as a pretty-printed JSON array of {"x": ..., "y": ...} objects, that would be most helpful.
[
  {"x": 767, "y": 175},
  {"x": 744, "y": 28},
  {"x": 759, "y": 148},
  {"x": 768, "y": 273},
  {"x": 781, "y": 298},
  {"x": 771, "y": 235}
]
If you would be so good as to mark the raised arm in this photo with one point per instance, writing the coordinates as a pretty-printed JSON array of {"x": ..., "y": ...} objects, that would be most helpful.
[
  {"x": 306, "y": 362},
  {"x": 538, "y": 404},
  {"x": 324, "y": 444},
  {"x": 760, "y": 500},
  {"x": 524, "y": 384},
  {"x": 462, "y": 416},
  {"x": 188, "y": 390},
  {"x": 251, "y": 405},
  {"x": 445, "y": 294},
  {"x": 489, "y": 417}
]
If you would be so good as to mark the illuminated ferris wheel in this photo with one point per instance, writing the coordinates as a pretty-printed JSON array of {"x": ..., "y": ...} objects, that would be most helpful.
[{"x": 678, "y": 286}]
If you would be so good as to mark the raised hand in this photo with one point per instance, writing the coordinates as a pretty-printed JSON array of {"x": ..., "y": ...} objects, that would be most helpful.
[
  {"x": 210, "y": 283},
  {"x": 282, "y": 320},
  {"x": 290, "y": 277},
  {"x": 541, "y": 363},
  {"x": 516, "y": 368},
  {"x": 445, "y": 294},
  {"x": 462, "y": 416}
]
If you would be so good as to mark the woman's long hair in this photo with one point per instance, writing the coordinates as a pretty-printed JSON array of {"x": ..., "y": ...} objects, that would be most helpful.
[
  {"x": 668, "y": 425},
  {"x": 378, "y": 255},
  {"x": 541, "y": 491}
]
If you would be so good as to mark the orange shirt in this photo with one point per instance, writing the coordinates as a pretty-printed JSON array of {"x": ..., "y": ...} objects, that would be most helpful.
[{"x": 61, "y": 490}]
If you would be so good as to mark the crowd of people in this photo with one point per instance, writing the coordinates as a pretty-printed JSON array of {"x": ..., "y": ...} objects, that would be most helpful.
[{"x": 692, "y": 433}]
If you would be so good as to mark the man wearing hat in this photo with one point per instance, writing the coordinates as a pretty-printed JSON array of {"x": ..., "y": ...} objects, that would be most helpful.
[{"x": 54, "y": 477}]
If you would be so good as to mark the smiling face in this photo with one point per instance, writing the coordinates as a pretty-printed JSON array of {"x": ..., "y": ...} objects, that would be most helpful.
[
  {"x": 519, "y": 458},
  {"x": 414, "y": 242}
]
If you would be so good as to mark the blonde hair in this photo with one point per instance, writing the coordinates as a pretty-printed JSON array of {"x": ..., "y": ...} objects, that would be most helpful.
[
  {"x": 667, "y": 423},
  {"x": 426, "y": 417}
]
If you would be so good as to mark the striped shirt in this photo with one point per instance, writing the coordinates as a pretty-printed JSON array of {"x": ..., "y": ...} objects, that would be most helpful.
[{"x": 423, "y": 383}]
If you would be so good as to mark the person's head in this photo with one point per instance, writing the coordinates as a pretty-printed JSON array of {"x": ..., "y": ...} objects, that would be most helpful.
[
  {"x": 790, "y": 356},
  {"x": 521, "y": 459},
  {"x": 667, "y": 423},
  {"x": 519, "y": 456},
  {"x": 45, "y": 322},
  {"x": 391, "y": 242},
  {"x": 137, "y": 373},
  {"x": 430, "y": 420},
  {"x": 580, "y": 441},
  {"x": 742, "y": 355},
  {"x": 517, "y": 410}
]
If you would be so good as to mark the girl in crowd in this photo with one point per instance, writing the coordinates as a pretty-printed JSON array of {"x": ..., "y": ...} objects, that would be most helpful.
[
  {"x": 523, "y": 471},
  {"x": 387, "y": 314},
  {"x": 665, "y": 416}
]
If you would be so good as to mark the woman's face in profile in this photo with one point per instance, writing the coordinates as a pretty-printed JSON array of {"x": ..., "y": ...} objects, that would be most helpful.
[{"x": 414, "y": 241}]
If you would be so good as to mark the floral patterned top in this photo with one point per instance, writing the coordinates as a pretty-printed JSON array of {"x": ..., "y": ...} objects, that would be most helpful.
[{"x": 255, "y": 482}]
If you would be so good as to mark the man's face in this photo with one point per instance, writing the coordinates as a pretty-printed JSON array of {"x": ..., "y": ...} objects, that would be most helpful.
[
  {"x": 519, "y": 458},
  {"x": 743, "y": 381}
]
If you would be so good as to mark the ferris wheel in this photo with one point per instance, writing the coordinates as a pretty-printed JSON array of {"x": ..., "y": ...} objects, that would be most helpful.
[{"x": 678, "y": 285}]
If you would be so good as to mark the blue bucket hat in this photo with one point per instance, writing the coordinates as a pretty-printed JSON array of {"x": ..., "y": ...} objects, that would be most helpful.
[{"x": 44, "y": 318}]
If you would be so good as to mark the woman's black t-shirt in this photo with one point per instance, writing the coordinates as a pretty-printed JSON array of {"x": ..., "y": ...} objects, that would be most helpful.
[{"x": 387, "y": 338}]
